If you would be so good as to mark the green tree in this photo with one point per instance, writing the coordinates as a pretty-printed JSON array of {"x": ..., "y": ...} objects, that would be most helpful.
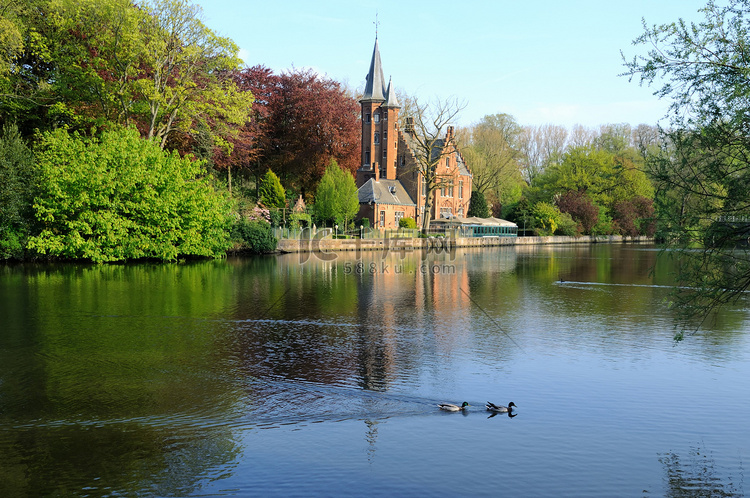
[
  {"x": 546, "y": 218},
  {"x": 702, "y": 175},
  {"x": 270, "y": 192},
  {"x": 16, "y": 182},
  {"x": 336, "y": 198},
  {"x": 478, "y": 205},
  {"x": 121, "y": 197}
]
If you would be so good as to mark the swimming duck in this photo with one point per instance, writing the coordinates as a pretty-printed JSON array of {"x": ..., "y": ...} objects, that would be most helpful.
[
  {"x": 500, "y": 408},
  {"x": 453, "y": 408}
]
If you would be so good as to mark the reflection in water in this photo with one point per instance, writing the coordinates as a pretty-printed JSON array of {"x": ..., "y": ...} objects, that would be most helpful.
[
  {"x": 697, "y": 475},
  {"x": 160, "y": 380}
]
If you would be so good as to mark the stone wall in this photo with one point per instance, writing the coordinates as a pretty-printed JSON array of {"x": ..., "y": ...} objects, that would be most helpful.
[{"x": 329, "y": 244}]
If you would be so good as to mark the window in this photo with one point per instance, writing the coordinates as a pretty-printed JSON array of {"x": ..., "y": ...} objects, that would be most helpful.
[
  {"x": 461, "y": 189},
  {"x": 385, "y": 152},
  {"x": 447, "y": 162},
  {"x": 376, "y": 117},
  {"x": 382, "y": 218},
  {"x": 424, "y": 186},
  {"x": 445, "y": 213},
  {"x": 442, "y": 191},
  {"x": 377, "y": 137},
  {"x": 385, "y": 136},
  {"x": 399, "y": 215},
  {"x": 367, "y": 117},
  {"x": 367, "y": 157},
  {"x": 460, "y": 213}
]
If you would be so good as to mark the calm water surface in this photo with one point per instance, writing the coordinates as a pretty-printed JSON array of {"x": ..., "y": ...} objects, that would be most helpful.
[{"x": 295, "y": 376}]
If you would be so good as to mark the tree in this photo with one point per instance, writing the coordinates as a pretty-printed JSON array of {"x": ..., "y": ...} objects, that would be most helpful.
[
  {"x": 16, "y": 181},
  {"x": 702, "y": 175},
  {"x": 336, "y": 197},
  {"x": 478, "y": 205},
  {"x": 90, "y": 63},
  {"x": 120, "y": 197},
  {"x": 430, "y": 142},
  {"x": 491, "y": 147},
  {"x": 311, "y": 120},
  {"x": 541, "y": 147},
  {"x": 272, "y": 194},
  {"x": 580, "y": 208}
]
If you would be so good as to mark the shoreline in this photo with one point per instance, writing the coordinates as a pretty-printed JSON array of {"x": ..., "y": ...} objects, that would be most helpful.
[{"x": 328, "y": 244}]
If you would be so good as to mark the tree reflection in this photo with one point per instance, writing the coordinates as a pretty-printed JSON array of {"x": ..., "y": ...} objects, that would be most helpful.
[{"x": 697, "y": 476}]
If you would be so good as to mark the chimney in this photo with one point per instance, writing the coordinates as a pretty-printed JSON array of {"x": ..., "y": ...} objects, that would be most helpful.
[{"x": 409, "y": 128}]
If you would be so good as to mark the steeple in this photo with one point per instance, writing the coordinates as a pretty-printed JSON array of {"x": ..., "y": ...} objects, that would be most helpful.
[
  {"x": 390, "y": 97},
  {"x": 375, "y": 87}
]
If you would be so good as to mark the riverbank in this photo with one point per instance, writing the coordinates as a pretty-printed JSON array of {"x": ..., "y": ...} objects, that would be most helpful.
[{"x": 395, "y": 243}]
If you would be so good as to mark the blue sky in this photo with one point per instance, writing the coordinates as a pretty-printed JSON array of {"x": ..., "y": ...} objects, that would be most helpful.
[{"x": 542, "y": 61}]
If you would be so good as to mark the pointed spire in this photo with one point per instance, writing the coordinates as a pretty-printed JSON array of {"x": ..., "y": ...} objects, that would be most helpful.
[
  {"x": 375, "y": 88},
  {"x": 390, "y": 97}
]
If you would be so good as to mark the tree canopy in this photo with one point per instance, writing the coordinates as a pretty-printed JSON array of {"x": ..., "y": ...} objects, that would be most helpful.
[
  {"x": 336, "y": 197},
  {"x": 702, "y": 173}
]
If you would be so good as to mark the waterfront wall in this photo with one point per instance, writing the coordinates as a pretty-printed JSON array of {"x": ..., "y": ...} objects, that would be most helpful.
[{"x": 328, "y": 244}]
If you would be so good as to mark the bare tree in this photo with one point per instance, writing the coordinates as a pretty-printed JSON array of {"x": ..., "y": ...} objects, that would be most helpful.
[
  {"x": 429, "y": 133},
  {"x": 541, "y": 146},
  {"x": 581, "y": 136},
  {"x": 491, "y": 150}
]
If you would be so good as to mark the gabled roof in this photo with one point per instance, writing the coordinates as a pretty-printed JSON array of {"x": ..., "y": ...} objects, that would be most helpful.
[
  {"x": 375, "y": 87},
  {"x": 384, "y": 192}
]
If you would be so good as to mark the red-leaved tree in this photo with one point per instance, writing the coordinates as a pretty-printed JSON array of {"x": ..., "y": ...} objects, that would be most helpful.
[
  {"x": 581, "y": 209},
  {"x": 635, "y": 216},
  {"x": 300, "y": 121}
]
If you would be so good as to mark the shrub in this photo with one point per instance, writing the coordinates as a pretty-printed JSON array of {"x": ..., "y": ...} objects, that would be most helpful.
[
  {"x": 121, "y": 197},
  {"x": 568, "y": 226},
  {"x": 254, "y": 236},
  {"x": 546, "y": 218},
  {"x": 271, "y": 193},
  {"x": 407, "y": 222}
]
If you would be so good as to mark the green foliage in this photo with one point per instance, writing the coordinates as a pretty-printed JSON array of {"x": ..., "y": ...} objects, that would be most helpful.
[
  {"x": 336, "y": 198},
  {"x": 270, "y": 192},
  {"x": 702, "y": 173},
  {"x": 16, "y": 181},
  {"x": 121, "y": 197},
  {"x": 300, "y": 220},
  {"x": 546, "y": 218},
  {"x": 407, "y": 222},
  {"x": 254, "y": 236},
  {"x": 568, "y": 226},
  {"x": 478, "y": 205}
]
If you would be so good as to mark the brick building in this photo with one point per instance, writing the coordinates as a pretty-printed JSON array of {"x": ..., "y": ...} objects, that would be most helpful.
[{"x": 390, "y": 184}]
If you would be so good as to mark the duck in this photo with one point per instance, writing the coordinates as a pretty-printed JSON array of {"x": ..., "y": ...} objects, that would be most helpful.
[
  {"x": 500, "y": 408},
  {"x": 453, "y": 408}
]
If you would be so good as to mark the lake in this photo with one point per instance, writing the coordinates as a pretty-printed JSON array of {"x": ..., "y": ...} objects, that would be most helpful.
[{"x": 299, "y": 375}]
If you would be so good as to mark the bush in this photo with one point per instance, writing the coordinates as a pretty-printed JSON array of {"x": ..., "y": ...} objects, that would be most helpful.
[
  {"x": 407, "y": 222},
  {"x": 254, "y": 236},
  {"x": 568, "y": 226},
  {"x": 121, "y": 197},
  {"x": 300, "y": 220},
  {"x": 546, "y": 218}
]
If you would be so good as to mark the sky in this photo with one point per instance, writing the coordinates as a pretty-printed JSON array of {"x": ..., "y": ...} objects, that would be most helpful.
[{"x": 541, "y": 61}]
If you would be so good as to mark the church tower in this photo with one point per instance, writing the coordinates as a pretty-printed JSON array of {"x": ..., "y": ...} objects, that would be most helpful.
[{"x": 380, "y": 109}]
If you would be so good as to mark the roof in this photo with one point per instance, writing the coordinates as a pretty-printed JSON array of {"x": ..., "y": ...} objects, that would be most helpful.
[
  {"x": 390, "y": 97},
  {"x": 477, "y": 221},
  {"x": 384, "y": 192},
  {"x": 375, "y": 86}
]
